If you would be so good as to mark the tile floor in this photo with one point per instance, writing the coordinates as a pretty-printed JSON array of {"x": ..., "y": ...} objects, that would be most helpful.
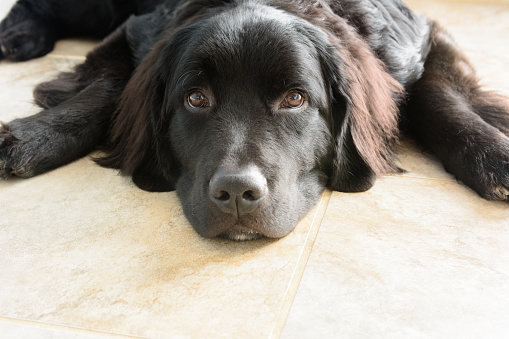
[{"x": 85, "y": 254}]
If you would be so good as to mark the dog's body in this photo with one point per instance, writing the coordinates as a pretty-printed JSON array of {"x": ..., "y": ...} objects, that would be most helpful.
[{"x": 249, "y": 108}]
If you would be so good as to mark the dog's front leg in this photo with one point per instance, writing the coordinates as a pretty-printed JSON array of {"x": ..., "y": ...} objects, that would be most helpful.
[
  {"x": 76, "y": 121},
  {"x": 466, "y": 127}
]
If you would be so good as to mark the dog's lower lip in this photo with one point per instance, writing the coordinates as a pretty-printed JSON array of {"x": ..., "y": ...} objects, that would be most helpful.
[{"x": 241, "y": 233}]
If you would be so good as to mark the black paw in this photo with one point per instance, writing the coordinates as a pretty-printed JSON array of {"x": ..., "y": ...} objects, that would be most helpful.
[
  {"x": 501, "y": 193},
  {"x": 26, "y": 40},
  {"x": 24, "y": 34},
  {"x": 7, "y": 140},
  {"x": 488, "y": 168},
  {"x": 13, "y": 161}
]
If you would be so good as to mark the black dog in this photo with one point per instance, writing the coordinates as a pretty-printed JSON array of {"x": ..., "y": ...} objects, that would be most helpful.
[{"x": 249, "y": 108}]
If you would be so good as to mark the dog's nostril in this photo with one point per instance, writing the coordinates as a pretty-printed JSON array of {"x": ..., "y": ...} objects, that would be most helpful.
[
  {"x": 223, "y": 196},
  {"x": 249, "y": 195}
]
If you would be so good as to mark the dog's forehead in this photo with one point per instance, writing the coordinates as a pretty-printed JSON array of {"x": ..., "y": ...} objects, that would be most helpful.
[{"x": 257, "y": 43}]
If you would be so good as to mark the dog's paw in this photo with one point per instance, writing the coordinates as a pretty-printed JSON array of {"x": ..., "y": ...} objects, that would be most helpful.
[
  {"x": 501, "y": 192},
  {"x": 489, "y": 171},
  {"x": 498, "y": 179},
  {"x": 13, "y": 161},
  {"x": 7, "y": 140},
  {"x": 25, "y": 41}
]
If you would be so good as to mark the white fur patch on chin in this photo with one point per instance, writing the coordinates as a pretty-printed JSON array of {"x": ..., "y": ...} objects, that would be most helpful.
[
  {"x": 244, "y": 237},
  {"x": 241, "y": 233}
]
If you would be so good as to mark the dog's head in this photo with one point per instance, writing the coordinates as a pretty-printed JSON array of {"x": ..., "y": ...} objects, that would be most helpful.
[{"x": 250, "y": 111}]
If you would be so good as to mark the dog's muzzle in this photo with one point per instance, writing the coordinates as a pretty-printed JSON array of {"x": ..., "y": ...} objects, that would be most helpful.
[{"x": 238, "y": 192}]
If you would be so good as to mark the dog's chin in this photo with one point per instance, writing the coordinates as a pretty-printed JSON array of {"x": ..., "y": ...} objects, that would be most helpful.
[{"x": 241, "y": 233}]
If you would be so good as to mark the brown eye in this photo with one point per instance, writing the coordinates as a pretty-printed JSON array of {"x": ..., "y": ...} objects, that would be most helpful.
[
  {"x": 197, "y": 99},
  {"x": 293, "y": 99}
]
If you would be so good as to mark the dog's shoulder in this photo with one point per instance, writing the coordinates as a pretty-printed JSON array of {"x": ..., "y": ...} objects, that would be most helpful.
[
  {"x": 398, "y": 36},
  {"x": 143, "y": 31}
]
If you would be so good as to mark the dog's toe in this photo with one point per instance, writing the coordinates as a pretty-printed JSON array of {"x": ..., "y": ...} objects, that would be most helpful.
[
  {"x": 501, "y": 192},
  {"x": 7, "y": 140},
  {"x": 6, "y": 136}
]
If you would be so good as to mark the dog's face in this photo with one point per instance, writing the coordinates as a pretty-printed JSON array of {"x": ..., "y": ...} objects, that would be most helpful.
[
  {"x": 248, "y": 115},
  {"x": 248, "y": 127}
]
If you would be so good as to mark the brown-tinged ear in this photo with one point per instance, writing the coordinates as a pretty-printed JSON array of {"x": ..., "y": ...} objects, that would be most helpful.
[
  {"x": 364, "y": 113},
  {"x": 138, "y": 143}
]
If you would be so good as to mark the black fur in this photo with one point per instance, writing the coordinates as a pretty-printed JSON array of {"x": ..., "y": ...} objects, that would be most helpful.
[{"x": 250, "y": 108}]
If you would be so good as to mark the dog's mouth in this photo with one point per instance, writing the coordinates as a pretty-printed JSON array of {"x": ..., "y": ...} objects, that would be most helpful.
[{"x": 241, "y": 233}]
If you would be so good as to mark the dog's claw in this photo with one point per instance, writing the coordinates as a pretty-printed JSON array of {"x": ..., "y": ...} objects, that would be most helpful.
[{"x": 502, "y": 192}]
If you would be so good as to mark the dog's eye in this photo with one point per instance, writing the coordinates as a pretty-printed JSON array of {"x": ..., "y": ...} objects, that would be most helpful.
[
  {"x": 197, "y": 99},
  {"x": 293, "y": 99}
]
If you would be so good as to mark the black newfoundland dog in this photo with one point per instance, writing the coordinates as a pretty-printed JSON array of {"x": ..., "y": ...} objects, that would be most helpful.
[{"x": 250, "y": 108}]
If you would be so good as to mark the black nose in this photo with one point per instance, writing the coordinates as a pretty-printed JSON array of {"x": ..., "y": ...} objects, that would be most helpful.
[{"x": 238, "y": 191}]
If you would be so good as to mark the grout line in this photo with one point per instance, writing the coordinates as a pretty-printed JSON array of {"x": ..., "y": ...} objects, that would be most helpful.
[
  {"x": 298, "y": 273},
  {"x": 67, "y": 57},
  {"x": 396, "y": 176},
  {"x": 63, "y": 328},
  {"x": 305, "y": 253}
]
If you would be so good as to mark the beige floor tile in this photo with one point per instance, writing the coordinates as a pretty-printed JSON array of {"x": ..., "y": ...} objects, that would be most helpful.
[
  {"x": 81, "y": 246},
  {"x": 17, "y": 82},
  {"x": 16, "y": 329},
  {"x": 73, "y": 49},
  {"x": 411, "y": 258},
  {"x": 418, "y": 162}
]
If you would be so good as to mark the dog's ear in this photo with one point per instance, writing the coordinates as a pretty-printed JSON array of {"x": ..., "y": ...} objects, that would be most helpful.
[
  {"x": 363, "y": 111},
  {"x": 138, "y": 143},
  {"x": 139, "y": 140},
  {"x": 363, "y": 99}
]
